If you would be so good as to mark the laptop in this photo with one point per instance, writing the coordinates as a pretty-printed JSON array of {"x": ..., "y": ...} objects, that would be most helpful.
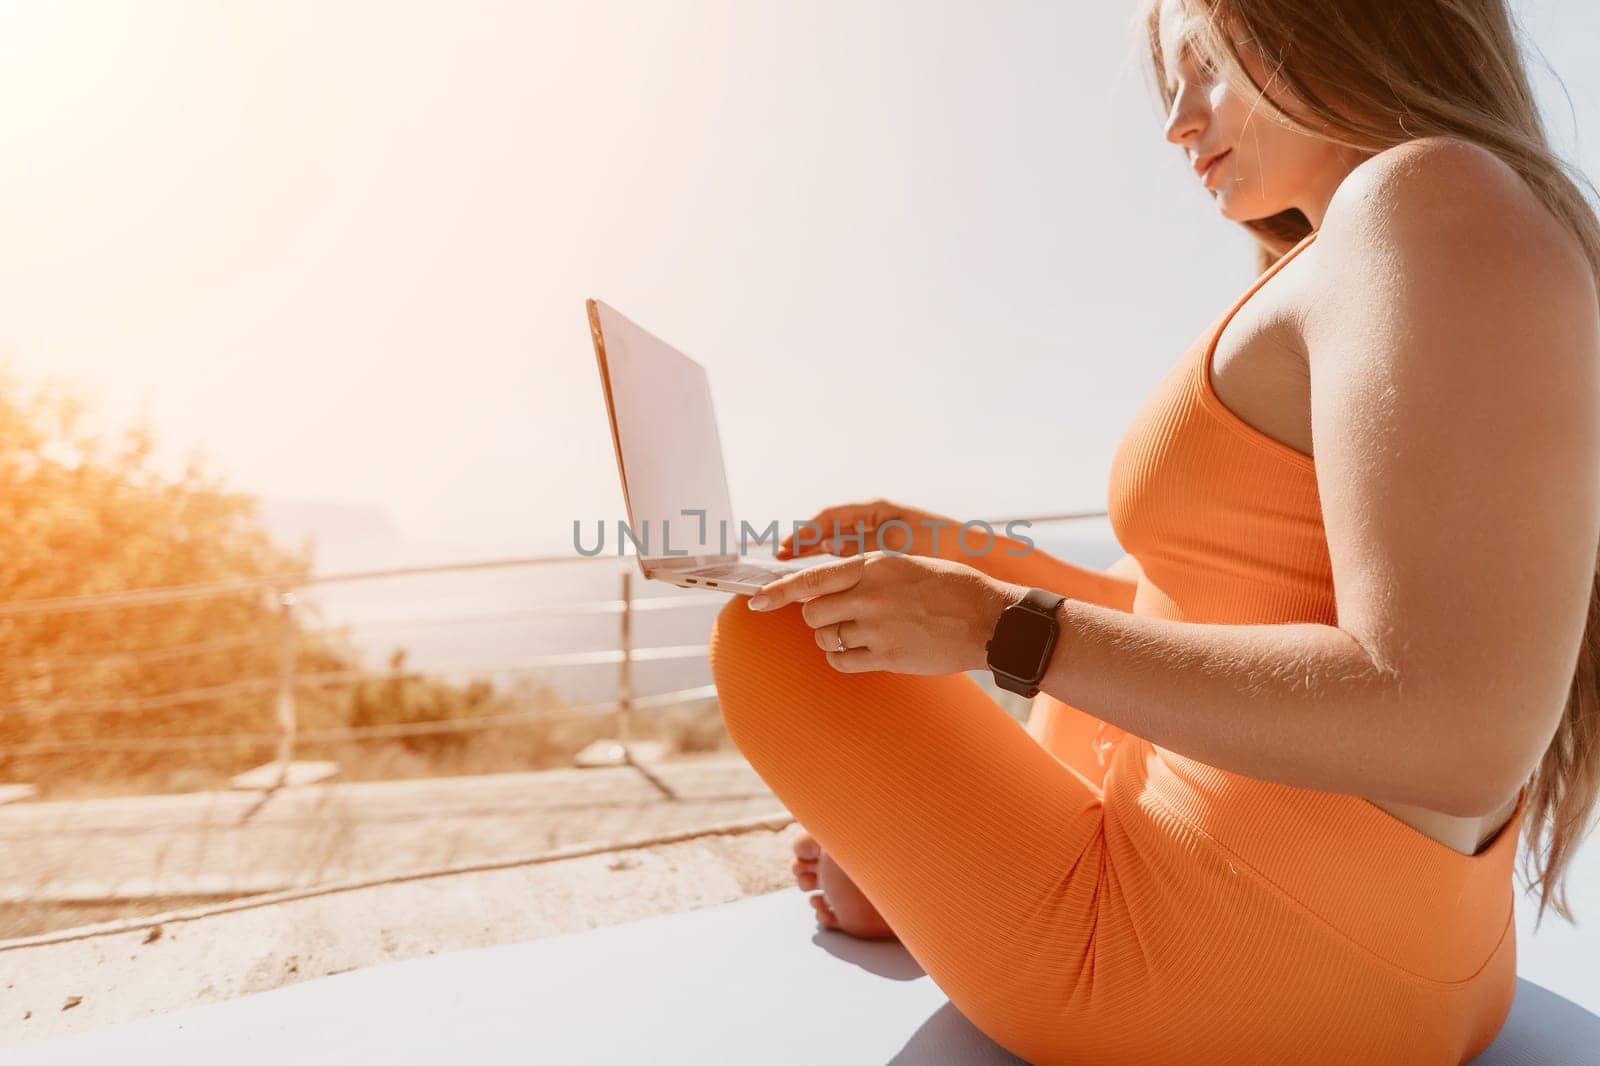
[{"x": 669, "y": 457}]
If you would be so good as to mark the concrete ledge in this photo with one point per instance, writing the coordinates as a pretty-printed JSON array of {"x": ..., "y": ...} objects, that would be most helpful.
[
  {"x": 611, "y": 752},
  {"x": 297, "y": 773},
  {"x": 150, "y": 966},
  {"x": 16, "y": 793}
]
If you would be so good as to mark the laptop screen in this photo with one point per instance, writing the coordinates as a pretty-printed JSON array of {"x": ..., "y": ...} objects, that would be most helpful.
[{"x": 667, "y": 438}]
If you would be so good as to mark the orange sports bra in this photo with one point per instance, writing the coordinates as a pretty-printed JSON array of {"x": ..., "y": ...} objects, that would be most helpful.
[
  {"x": 1226, "y": 525},
  {"x": 1224, "y": 520}
]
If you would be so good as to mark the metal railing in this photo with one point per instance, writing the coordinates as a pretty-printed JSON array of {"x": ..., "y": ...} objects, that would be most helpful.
[{"x": 290, "y": 680}]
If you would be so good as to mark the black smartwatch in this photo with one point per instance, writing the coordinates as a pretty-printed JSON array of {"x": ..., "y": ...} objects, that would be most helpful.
[{"x": 1019, "y": 651}]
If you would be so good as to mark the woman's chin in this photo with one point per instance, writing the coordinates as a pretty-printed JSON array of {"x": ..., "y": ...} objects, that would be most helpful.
[
  {"x": 1239, "y": 205},
  {"x": 1234, "y": 208}
]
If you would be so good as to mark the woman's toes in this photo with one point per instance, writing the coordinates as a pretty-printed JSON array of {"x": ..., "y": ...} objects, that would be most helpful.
[
  {"x": 807, "y": 848},
  {"x": 805, "y": 874},
  {"x": 825, "y": 915}
]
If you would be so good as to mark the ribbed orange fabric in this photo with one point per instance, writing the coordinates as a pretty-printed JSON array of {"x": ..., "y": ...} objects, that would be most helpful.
[{"x": 1084, "y": 896}]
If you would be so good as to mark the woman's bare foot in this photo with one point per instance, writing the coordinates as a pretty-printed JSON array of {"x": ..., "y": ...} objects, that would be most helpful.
[{"x": 840, "y": 905}]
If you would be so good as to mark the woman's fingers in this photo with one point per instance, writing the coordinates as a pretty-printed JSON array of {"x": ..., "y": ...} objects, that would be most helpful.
[
  {"x": 820, "y": 580},
  {"x": 849, "y": 630},
  {"x": 854, "y": 529},
  {"x": 852, "y": 605},
  {"x": 817, "y": 530},
  {"x": 854, "y": 540},
  {"x": 854, "y": 660},
  {"x": 787, "y": 548}
]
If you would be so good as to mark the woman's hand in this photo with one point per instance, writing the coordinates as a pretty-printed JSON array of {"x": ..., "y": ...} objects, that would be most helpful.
[
  {"x": 900, "y": 613},
  {"x": 923, "y": 533}
]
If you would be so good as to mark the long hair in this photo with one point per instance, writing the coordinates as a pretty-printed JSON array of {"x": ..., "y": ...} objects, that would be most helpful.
[{"x": 1376, "y": 74}]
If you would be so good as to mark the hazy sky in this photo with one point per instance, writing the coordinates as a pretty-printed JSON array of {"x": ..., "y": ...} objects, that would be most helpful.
[{"x": 937, "y": 252}]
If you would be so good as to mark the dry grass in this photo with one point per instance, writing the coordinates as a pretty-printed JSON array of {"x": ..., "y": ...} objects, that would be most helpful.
[
  {"x": 327, "y": 836},
  {"x": 536, "y": 744}
]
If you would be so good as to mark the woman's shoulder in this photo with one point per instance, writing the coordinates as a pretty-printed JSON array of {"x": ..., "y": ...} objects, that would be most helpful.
[
  {"x": 1445, "y": 169},
  {"x": 1444, "y": 211}
]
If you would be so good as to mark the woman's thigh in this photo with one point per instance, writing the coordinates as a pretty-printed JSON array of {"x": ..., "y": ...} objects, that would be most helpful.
[
  {"x": 979, "y": 847},
  {"x": 1081, "y": 741},
  {"x": 1066, "y": 924}
]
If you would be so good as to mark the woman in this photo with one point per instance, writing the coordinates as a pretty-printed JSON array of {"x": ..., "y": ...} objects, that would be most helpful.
[{"x": 1267, "y": 802}]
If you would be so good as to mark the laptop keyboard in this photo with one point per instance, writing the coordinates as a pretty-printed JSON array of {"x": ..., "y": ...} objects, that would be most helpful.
[{"x": 742, "y": 572}]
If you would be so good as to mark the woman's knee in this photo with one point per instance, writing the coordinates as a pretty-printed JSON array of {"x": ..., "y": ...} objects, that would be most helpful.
[
  {"x": 732, "y": 632},
  {"x": 738, "y": 634},
  {"x": 754, "y": 655}
]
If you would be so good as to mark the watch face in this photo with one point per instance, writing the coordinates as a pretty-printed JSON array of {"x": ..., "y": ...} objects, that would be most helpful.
[{"x": 1020, "y": 645}]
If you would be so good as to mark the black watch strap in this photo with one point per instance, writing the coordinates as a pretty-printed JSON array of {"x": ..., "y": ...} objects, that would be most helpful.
[{"x": 1041, "y": 602}]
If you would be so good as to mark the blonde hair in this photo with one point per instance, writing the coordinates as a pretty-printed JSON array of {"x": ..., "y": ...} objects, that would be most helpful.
[{"x": 1376, "y": 74}]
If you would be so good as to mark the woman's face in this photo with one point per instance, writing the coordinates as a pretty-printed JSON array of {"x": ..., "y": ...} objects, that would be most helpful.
[{"x": 1252, "y": 164}]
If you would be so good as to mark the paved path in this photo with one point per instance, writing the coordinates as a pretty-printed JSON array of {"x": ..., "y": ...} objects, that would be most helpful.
[
  {"x": 96, "y": 980},
  {"x": 221, "y": 844}
]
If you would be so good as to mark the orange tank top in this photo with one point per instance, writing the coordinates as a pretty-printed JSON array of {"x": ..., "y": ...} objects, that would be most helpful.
[
  {"x": 1226, "y": 524},
  {"x": 1224, "y": 520}
]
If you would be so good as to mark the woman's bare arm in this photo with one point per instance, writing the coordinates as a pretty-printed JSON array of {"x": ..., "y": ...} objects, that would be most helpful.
[{"x": 1456, "y": 419}]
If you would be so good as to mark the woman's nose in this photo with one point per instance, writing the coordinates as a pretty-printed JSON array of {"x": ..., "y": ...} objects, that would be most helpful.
[{"x": 1187, "y": 118}]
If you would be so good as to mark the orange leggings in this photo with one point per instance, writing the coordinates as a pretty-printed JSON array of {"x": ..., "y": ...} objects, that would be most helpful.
[{"x": 1066, "y": 913}]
